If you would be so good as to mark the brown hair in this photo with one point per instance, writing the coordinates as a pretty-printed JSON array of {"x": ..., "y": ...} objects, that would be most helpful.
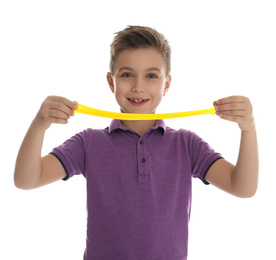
[{"x": 134, "y": 37}]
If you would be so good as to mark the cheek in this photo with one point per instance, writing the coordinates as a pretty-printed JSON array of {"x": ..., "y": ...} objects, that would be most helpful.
[
  {"x": 157, "y": 95},
  {"x": 120, "y": 86},
  {"x": 120, "y": 91},
  {"x": 159, "y": 90}
]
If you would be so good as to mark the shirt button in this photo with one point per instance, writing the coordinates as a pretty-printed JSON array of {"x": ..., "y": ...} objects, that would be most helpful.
[
  {"x": 143, "y": 160},
  {"x": 141, "y": 142}
]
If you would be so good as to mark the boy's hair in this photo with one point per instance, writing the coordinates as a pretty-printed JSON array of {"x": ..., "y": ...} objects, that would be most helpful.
[{"x": 135, "y": 37}]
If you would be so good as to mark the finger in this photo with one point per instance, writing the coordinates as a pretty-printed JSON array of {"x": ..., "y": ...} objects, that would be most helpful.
[
  {"x": 75, "y": 105},
  {"x": 231, "y": 107},
  {"x": 72, "y": 105},
  {"x": 234, "y": 113},
  {"x": 236, "y": 119},
  {"x": 55, "y": 120},
  {"x": 231, "y": 99},
  {"x": 62, "y": 107},
  {"x": 54, "y": 113}
]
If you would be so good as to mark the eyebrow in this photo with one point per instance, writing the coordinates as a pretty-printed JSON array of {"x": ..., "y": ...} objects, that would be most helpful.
[
  {"x": 153, "y": 68},
  {"x": 131, "y": 69},
  {"x": 125, "y": 68}
]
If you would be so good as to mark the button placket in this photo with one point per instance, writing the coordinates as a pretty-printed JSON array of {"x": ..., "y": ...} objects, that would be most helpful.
[{"x": 143, "y": 167}]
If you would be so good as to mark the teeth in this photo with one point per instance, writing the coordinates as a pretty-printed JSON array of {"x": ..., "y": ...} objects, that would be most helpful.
[{"x": 136, "y": 100}]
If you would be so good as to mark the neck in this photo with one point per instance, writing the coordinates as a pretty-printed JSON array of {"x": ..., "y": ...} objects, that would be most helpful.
[{"x": 140, "y": 127}]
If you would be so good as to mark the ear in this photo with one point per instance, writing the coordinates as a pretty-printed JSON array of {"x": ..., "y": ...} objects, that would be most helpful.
[
  {"x": 110, "y": 81},
  {"x": 167, "y": 85}
]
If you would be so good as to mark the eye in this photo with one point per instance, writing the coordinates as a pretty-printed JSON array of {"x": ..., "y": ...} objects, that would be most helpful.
[
  {"x": 126, "y": 75},
  {"x": 152, "y": 76}
]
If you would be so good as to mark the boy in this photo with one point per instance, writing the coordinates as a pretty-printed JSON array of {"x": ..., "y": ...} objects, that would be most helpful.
[{"x": 138, "y": 173}]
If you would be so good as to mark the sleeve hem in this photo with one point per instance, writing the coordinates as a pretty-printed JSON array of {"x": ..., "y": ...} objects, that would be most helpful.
[
  {"x": 204, "y": 181},
  {"x": 67, "y": 175}
]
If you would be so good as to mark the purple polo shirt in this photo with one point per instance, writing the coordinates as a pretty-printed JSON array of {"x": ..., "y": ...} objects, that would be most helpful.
[{"x": 138, "y": 188}]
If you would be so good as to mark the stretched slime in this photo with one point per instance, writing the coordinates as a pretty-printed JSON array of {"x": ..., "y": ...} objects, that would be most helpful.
[{"x": 129, "y": 116}]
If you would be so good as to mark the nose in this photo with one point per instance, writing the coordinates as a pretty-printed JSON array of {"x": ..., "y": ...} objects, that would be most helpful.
[{"x": 138, "y": 86}]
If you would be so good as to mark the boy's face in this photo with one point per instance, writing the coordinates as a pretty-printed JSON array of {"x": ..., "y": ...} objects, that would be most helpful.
[{"x": 139, "y": 80}]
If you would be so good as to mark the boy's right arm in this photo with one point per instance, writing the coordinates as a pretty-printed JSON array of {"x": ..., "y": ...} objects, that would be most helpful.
[{"x": 32, "y": 171}]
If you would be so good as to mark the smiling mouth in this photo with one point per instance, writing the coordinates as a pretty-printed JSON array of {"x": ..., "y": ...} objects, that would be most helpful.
[{"x": 138, "y": 100}]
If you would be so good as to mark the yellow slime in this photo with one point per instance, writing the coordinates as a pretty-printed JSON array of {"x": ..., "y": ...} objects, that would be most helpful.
[{"x": 129, "y": 116}]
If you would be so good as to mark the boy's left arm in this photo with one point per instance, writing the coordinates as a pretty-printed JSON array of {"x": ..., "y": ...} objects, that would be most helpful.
[{"x": 241, "y": 179}]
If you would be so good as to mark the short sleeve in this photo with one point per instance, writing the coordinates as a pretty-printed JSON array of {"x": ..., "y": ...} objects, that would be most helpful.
[
  {"x": 202, "y": 157},
  {"x": 71, "y": 155}
]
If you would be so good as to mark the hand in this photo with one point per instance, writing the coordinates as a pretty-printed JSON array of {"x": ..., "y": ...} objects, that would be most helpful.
[
  {"x": 54, "y": 110},
  {"x": 236, "y": 109}
]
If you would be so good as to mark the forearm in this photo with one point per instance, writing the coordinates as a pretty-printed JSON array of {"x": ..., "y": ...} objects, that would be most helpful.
[
  {"x": 28, "y": 164},
  {"x": 246, "y": 171},
  {"x": 32, "y": 171}
]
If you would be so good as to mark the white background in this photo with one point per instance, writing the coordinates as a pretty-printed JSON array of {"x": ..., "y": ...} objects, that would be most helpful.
[{"x": 219, "y": 48}]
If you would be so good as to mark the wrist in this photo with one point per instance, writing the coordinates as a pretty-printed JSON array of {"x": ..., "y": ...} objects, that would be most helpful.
[
  {"x": 38, "y": 126},
  {"x": 249, "y": 127}
]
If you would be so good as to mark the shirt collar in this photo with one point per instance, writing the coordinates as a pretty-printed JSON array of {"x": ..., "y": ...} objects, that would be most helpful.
[{"x": 117, "y": 124}]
